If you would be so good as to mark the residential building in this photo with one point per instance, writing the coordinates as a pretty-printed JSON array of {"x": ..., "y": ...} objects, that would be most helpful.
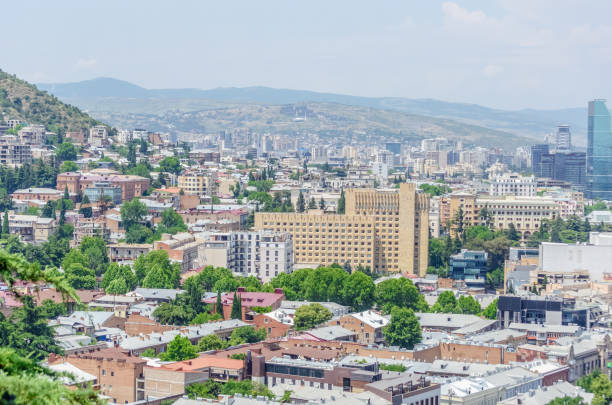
[
  {"x": 367, "y": 325},
  {"x": 263, "y": 254},
  {"x": 385, "y": 230},
  {"x": 14, "y": 153},
  {"x": 98, "y": 136},
  {"x": 94, "y": 227},
  {"x": 182, "y": 248},
  {"x": 31, "y": 228},
  {"x": 513, "y": 184},
  {"x": 198, "y": 183},
  {"x": 119, "y": 373},
  {"x": 469, "y": 266},
  {"x": 127, "y": 252},
  {"x": 599, "y": 159},
  {"x": 32, "y": 135},
  {"x": 547, "y": 394}
]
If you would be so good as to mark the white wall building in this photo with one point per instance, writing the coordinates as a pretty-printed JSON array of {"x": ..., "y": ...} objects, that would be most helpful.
[
  {"x": 263, "y": 254},
  {"x": 513, "y": 184}
]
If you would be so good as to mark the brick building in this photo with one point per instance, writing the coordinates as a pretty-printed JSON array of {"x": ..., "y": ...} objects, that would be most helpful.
[
  {"x": 76, "y": 182},
  {"x": 367, "y": 325},
  {"x": 119, "y": 374}
]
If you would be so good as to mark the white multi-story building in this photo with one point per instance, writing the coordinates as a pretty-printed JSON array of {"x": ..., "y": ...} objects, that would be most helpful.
[
  {"x": 263, "y": 254},
  {"x": 32, "y": 135},
  {"x": 14, "y": 153},
  {"x": 98, "y": 136},
  {"x": 513, "y": 184}
]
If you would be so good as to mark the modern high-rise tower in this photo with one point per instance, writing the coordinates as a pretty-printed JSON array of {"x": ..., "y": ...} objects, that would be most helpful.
[
  {"x": 564, "y": 139},
  {"x": 599, "y": 152}
]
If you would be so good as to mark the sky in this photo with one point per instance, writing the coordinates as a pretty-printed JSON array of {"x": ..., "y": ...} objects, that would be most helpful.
[{"x": 508, "y": 54}]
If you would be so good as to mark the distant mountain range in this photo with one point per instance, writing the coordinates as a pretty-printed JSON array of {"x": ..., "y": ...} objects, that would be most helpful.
[{"x": 102, "y": 94}]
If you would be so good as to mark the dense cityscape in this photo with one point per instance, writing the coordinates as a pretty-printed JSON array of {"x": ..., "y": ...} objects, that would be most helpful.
[{"x": 309, "y": 261}]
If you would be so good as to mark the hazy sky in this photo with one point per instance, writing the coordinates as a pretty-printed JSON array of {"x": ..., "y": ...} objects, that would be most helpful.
[{"x": 500, "y": 53}]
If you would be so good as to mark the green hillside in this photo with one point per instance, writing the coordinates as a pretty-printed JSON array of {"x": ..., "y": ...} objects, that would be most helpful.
[{"x": 22, "y": 100}]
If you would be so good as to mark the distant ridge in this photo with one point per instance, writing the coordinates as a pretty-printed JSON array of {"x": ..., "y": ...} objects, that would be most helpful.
[{"x": 527, "y": 122}]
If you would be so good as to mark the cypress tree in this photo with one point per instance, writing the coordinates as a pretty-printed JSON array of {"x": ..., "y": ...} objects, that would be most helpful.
[
  {"x": 236, "y": 307},
  {"x": 341, "y": 203},
  {"x": 219, "y": 304},
  {"x": 5, "y": 225},
  {"x": 301, "y": 204}
]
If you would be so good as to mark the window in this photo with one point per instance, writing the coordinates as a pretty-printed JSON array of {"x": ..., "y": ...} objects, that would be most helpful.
[{"x": 103, "y": 372}]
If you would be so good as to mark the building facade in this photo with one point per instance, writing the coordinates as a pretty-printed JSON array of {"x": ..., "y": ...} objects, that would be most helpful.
[
  {"x": 513, "y": 184},
  {"x": 599, "y": 158},
  {"x": 469, "y": 266},
  {"x": 263, "y": 254},
  {"x": 385, "y": 230}
]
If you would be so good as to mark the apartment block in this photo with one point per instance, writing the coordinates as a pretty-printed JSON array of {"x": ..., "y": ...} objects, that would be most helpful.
[
  {"x": 182, "y": 248},
  {"x": 37, "y": 194},
  {"x": 385, "y": 230},
  {"x": 119, "y": 373},
  {"x": 367, "y": 325},
  {"x": 32, "y": 135},
  {"x": 263, "y": 254},
  {"x": 98, "y": 136},
  {"x": 13, "y": 153},
  {"x": 31, "y": 228},
  {"x": 198, "y": 183},
  {"x": 122, "y": 252}
]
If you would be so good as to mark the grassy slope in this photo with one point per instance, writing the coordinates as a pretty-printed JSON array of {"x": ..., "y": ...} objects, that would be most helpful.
[{"x": 22, "y": 100}]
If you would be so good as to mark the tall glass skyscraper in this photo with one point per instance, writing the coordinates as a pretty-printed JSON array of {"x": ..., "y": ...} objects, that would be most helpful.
[{"x": 599, "y": 152}]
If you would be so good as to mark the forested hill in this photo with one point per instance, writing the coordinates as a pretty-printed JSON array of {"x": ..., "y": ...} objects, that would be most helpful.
[{"x": 22, "y": 100}]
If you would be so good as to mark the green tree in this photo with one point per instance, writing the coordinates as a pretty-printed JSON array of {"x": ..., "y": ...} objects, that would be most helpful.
[
  {"x": 312, "y": 204},
  {"x": 211, "y": 342},
  {"x": 154, "y": 270},
  {"x": 219, "y": 304},
  {"x": 94, "y": 248},
  {"x": 468, "y": 305},
  {"x": 171, "y": 313},
  {"x": 171, "y": 222},
  {"x": 66, "y": 151},
  {"x": 74, "y": 256},
  {"x": 399, "y": 292},
  {"x": 512, "y": 233},
  {"x": 117, "y": 287},
  {"x": 490, "y": 312},
  {"x": 341, "y": 203},
  {"x": 116, "y": 271},
  {"x": 179, "y": 349},
  {"x": 170, "y": 164},
  {"x": 358, "y": 291},
  {"x": 48, "y": 210},
  {"x": 80, "y": 277},
  {"x": 5, "y": 225},
  {"x": 446, "y": 303},
  {"x": 132, "y": 213},
  {"x": 85, "y": 209},
  {"x": 138, "y": 233},
  {"x": 68, "y": 166},
  {"x": 569, "y": 401},
  {"x": 246, "y": 334},
  {"x": 403, "y": 329},
  {"x": 310, "y": 316},
  {"x": 236, "y": 307},
  {"x": 598, "y": 384},
  {"x": 495, "y": 279},
  {"x": 301, "y": 203}
]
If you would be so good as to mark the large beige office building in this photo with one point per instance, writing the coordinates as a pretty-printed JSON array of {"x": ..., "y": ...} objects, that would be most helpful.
[{"x": 385, "y": 230}]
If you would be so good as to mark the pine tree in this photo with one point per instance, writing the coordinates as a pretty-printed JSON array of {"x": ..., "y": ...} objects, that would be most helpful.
[
  {"x": 312, "y": 205},
  {"x": 301, "y": 204},
  {"x": 341, "y": 203},
  {"x": 236, "y": 307},
  {"x": 321, "y": 204},
  {"x": 66, "y": 194},
  {"x": 219, "y": 304},
  {"x": 5, "y": 225}
]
